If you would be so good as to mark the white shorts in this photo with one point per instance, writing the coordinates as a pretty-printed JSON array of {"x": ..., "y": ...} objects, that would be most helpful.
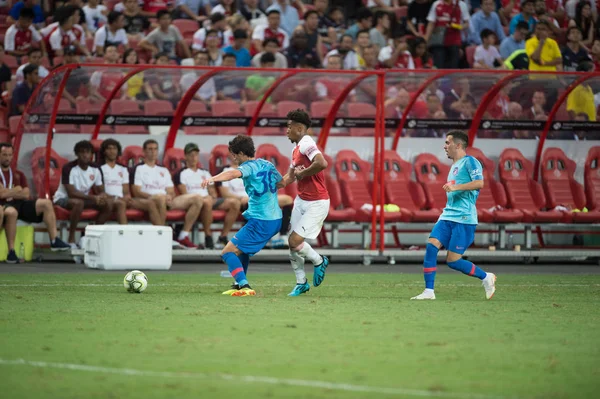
[{"x": 308, "y": 217}]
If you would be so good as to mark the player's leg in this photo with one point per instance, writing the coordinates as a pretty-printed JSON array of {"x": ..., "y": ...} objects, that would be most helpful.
[
  {"x": 231, "y": 206},
  {"x": 192, "y": 204},
  {"x": 161, "y": 206},
  {"x": 105, "y": 210},
  {"x": 286, "y": 204},
  {"x": 149, "y": 206},
  {"x": 121, "y": 209},
  {"x": 10, "y": 226},
  {"x": 42, "y": 209},
  {"x": 206, "y": 218},
  {"x": 462, "y": 237},
  {"x": 75, "y": 206},
  {"x": 439, "y": 237}
]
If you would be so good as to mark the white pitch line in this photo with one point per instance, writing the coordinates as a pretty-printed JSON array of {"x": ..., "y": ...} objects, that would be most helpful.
[{"x": 247, "y": 378}]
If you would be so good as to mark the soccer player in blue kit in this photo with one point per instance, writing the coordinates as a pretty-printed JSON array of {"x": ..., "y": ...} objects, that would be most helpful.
[
  {"x": 263, "y": 214},
  {"x": 455, "y": 229}
]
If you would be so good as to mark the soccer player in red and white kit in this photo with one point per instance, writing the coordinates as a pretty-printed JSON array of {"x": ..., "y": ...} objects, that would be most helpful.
[{"x": 311, "y": 206}]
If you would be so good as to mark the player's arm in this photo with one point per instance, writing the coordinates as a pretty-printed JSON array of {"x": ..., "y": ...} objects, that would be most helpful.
[
  {"x": 472, "y": 185},
  {"x": 223, "y": 176},
  {"x": 225, "y": 192},
  {"x": 138, "y": 193},
  {"x": 212, "y": 191},
  {"x": 318, "y": 164},
  {"x": 287, "y": 179},
  {"x": 72, "y": 192},
  {"x": 22, "y": 193}
]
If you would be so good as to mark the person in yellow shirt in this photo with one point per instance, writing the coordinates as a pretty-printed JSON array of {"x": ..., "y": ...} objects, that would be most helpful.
[
  {"x": 581, "y": 99},
  {"x": 543, "y": 52}
]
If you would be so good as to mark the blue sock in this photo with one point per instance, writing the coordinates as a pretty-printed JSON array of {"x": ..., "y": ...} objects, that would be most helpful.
[
  {"x": 245, "y": 260},
  {"x": 235, "y": 268},
  {"x": 430, "y": 265},
  {"x": 466, "y": 267}
]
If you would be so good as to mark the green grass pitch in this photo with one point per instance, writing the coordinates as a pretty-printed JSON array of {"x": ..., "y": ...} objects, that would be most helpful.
[{"x": 356, "y": 336}]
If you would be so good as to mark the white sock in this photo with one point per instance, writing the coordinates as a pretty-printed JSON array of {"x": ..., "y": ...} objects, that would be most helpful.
[
  {"x": 183, "y": 235},
  {"x": 428, "y": 290},
  {"x": 297, "y": 262},
  {"x": 307, "y": 252}
]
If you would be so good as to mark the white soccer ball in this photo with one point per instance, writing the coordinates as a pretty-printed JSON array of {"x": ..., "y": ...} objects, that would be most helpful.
[{"x": 135, "y": 281}]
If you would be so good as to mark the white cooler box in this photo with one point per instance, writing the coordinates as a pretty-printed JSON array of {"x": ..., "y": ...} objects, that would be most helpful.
[{"x": 128, "y": 247}]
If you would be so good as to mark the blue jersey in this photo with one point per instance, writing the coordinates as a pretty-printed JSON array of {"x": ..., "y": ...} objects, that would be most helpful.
[
  {"x": 460, "y": 207},
  {"x": 260, "y": 179}
]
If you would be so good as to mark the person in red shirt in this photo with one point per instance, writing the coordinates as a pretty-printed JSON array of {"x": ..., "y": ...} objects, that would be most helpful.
[
  {"x": 20, "y": 37},
  {"x": 16, "y": 204},
  {"x": 311, "y": 206},
  {"x": 154, "y": 6},
  {"x": 105, "y": 81},
  {"x": 447, "y": 20}
]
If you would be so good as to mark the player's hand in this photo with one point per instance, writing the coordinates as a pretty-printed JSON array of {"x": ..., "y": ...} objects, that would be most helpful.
[
  {"x": 128, "y": 199},
  {"x": 298, "y": 172},
  {"x": 99, "y": 200},
  {"x": 207, "y": 182},
  {"x": 280, "y": 185},
  {"x": 449, "y": 188}
]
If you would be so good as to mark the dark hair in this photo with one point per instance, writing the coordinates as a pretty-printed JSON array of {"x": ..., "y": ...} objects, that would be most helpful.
[
  {"x": 585, "y": 65},
  {"x": 334, "y": 9},
  {"x": 5, "y": 145},
  {"x": 526, "y": 2},
  {"x": 379, "y": 15},
  {"x": 416, "y": 42},
  {"x": 63, "y": 14},
  {"x": 270, "y": 40},
  {"x": 583, "y": 24},
  {"x": 522, "y": 25},
  {"x": 309, "y": 13},
  {"x": 26, "y": 13},
  {"x": 33, "y": 50},
  {"x": 267, "y": 57},
  {"x": 109, "y": 45},
  {"x": 113, "y": 16},
  {"x": 458, "y": 136},
  {"x": 362, "y": 31},
  {"x": 162, "y": 13},
  {"x": 216, "y": 17},
  {"x": 485, "y": 33},
  {"x": 243, "y": 144},
  {"x": 126, "y": 54},
  {"x": 299, "y": 116},
  {"x": 203, "y": 52},
  {"x": 29, "y": 69},
  {"x": 83, "y": 145},
  {"x": 363, "y": 13},
  {"x": 229, "y": 55},
  {"x": 573, "y": 28},
  {"x": 148, "y": 142},
  {"x": 273, "y": 12},
  {"x": 161, "y": 54},
  {"x": 107, "y": 143},
  {"x": 543, "y": 22},
  {"x": 211, "y": 31},
  {"x": 240, "y": 34},
  {"x": 346, "y": 35}
]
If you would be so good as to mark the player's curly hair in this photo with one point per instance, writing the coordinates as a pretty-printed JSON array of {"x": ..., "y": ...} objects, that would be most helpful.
[
  {"x": 458, "y": 136},
  {"x": 83, "y": 145},
  {"x": 299, "y": 116},
  {"x": 107, "y": 143},
  {"x": 243, "y": 144}
]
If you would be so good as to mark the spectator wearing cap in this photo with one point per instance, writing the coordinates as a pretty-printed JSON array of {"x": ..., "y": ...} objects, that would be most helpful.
[
  {"x": 486, "y": 18},
  {"x": 191, "y": 9},
  {"x": 238, "y": 48},
  {"x": 345, "y": 51},
  {"x": 271, "y": 30},
  {"x": 380, "y": 33},
  {"x": 251, "y": 11},
  {"x": 111, "y": 34},
  {"x": 165, "y": 38},
  {"x": 543, "y": 52},
  {"x": 574, "y": 53},
  {"x": 218, "y": 23},
  {"x": 299, "y": 51},
  {"x": 21, "y": 35},
  {"x": 24, "y": 90},
  {"x": 446, "y": 14},
  {"x": 34, "y": 57},
  {"x": 526, "y": 15},
  {"x": 271, "y": 46},
  {"x": 136, "y": 23},
  {"x": 289, "y": 13},
  {"x": 15, "y": 11},
  {"x": 258, "y": 84},
  {"x": 364, "y": 21},
  {"x": 515, "y": 41}
]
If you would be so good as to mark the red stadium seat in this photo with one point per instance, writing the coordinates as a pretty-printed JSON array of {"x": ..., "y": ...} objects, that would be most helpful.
[
  {"x": 432, "y": 174},
  {"x": 133, "y": 155},
  {"x": 470, "y": 55},
  {"x": 187, "y": 27},
  {"x": 522, "y": 192},
  {"x": 361, "y": 110},
  {"x": 158, "y": 108},
  {"x": 320, "y": 109},
  {"x": 266, "y": 111},
  {"x": 85, "y": 107},
  {"x": 282, "y": 163},
  {"x": 38, "y": 158},
  {"x": 562, "y": 189},
  {"x": 592, "y": 178},
  {"x": 11, "y": 62},
  {"x": 197, "y": 109},
  {"x": 228, "y": 109},
  {"x": 174, "y": 159},
  {"x": 127, "y": 107},
  {"x": 219, "y": 158},
  {"x": 13, "y": 124},
  {"x": 337, "y": 212},
  {"x": 283, "y": 107}
]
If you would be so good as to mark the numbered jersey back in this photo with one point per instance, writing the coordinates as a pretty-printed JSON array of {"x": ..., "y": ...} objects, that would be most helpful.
[{"x": 260, "y": 180}]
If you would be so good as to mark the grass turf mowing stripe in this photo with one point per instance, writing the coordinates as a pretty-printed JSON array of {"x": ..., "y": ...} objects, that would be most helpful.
[{"x": 248, "y": 379}]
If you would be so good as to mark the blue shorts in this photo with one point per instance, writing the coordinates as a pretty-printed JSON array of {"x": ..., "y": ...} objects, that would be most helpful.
[
  {"x": 255, "y": 235},
  {"x": 455, "y": 237}
]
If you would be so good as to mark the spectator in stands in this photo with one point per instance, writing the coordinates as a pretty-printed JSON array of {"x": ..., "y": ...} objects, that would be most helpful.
[
  {"x": 225, "y": 7},
  {"x": 581, "y": 99},
  {"x": 35, "y": 58},
  {"x": 137, "y": 87},
  {"x": 258, "y": 84},
  {"x": 217, "y": 24},
  {"x": 574, "y": 52},
  {"x": 136, "y": 23},
  {"x": 165, "y": 38},
  {"x": 238, "y": 49},
  {"x": 82, "y": 188},
  {"x": 515, "y": 41},
  {"x": 64, "y": 33},
  {"x": 345, "y": 51},
  {"x": 188, "y": 181},
  {"x": 541, "y": 14},
  {"x": 369, "y": 57},
  {"x": 486, "y": 54},
  {"x": 553, "y": 12},
  {"x": 486, "y": 18},
  {"x": 421, "y": 57},
  {"x": 79, "y": 21},
  {"x": 16, "y": 202},
  {"x": 191, "y": 9},
  {"x": 397, "y": 56},
  {"x": 116, "y": 184},
  {"x": 270, "y": 46},
  {"x": 111, "y": 34},
  {"x": 526, "y": 15},
  {"x": 164, "y": 88},
  {"x": 105, "y": 81},
  {"x": 433, "y": 105},
  {"x": 234, "y": 23},
  {"x": 153, "y": 182},
  {"x": 380, "y": 33},
  {"x": 253, "y": 13},
  {"x": 215, "y": 55},
  {"x": 584, "y": 20},
  {"x": 311, "y": 29},
  {"x": 363, "y": 40},
  {"x": 20, "y": 37},
  {"x": 299, "y": 50},
  {"x": 270, "y": 30},
  {"x": 15, "y": 12},
  {"x": 515, "y": 112},
  {"x": 364, "y": 21},
  {"x": 543, "y": 52},
  {"x": 5, "y": 74},
  {"x": 399, "y": 102},
  {"x": 328, "y": 27},
  {"x": 289, "y": 13},
  {"x": 455, "y": 99},
  {"x": 24, "y": 90},
  {"x": 120, "y": 7},
  {"x": 518, "y": 60},
  {"x": 416, "y": 20},
  {"x": 538, "y": 105},
  {"x": 595, "y": 54},
  {"x": 95, "y": 14},
  {"x": 230, "y": 87},
  {"x": 328, "y": 87},
  {"x": 207, "y": 93},
  {"x": 444, "y": 34}
]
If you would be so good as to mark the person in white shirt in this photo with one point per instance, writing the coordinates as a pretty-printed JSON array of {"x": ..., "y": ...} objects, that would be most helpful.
[
  {"x": 35, "y": 58},
  {"x": 346, "y": 52},
  {"x": 487, "y": 55},
  {"x": 217, "y": 23},
  {"x": 270, "y": 30},
  {"x": 189, "y": 181},
  {"x": 207, "y": 93},
  {"x": 95, "y": 14},
  {"x": 153, "y": 182},
  {"x": 81, "y": 188},
  {"x": 111, "y": 34},
  {"x": 116, "y": 184}
]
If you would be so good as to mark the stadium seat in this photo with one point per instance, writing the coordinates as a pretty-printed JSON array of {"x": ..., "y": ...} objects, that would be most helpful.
[
  {"x": 404, "y": 192},
  {"x": 38, "y": 158},
  {"x": 337, "y": 211},
  {"x": 592, "y": 178},
  {"x": 133, "y": 155},
  {"x": 85, "y": 107},
  {"x": 13, "y": 124},
  {"x": 158, "y": 108},
  {"x": 228, "y": 109},
  {"x": 282, "y": 163},
  {"x": 187, "y": 27},
  {"x": 320, "y": 109},
  {"x": 561, "y": 188},
  {"x": 522, "y": 192},
  {"x": 470, "y": 55},
  {"x": 492, "y": 198},
  {"x": 432, "y": 174},
  {"x": 11, "y": 62},
  {"x": 127, "y": 107},
  {"x": 174, "y": 159},
  {"x": 361, "y": 110},
  {"x": 197, "y": 109},
  {"x": 64, "y": 107},
  {"x": 266, "y": 111},
  {"x": 219, "y": 158},
  {"x": 283, "y": 107}
]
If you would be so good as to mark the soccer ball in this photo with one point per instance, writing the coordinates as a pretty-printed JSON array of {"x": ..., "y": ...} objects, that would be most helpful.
[{"x": 135, "y": 281}]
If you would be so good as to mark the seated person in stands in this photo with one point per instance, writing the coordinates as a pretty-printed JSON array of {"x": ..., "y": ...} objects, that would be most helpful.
[
  {"x": 235, "y": 189},
  {"x": 34, "y": 57},
  {"x": 189, "y": 181},
  {"x": 104, "y": 81},
  {"x": 82, "y": 188},
  {"x": 116, "y": 184},
  {"x": 258, "y": 84},
  {"x": 153, "y": 182},
  {"x": 111, "y": 34},
  {"x": 24, "y": 90},
  {"x": 20, "y": 37},
  {"x": 164, "y": 88},
  {"x": 165, "y": 38},
  {"x": 15, "y": 203},
  {"x": 78, "y": 85}
]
